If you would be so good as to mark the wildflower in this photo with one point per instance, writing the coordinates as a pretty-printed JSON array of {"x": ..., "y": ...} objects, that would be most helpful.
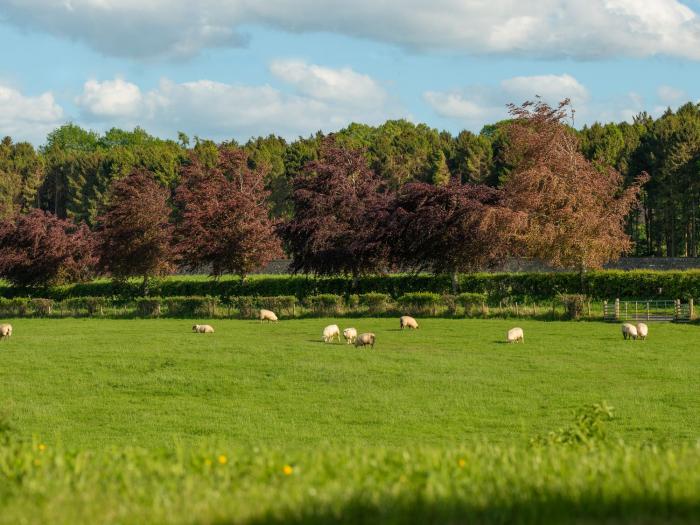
[
  {"x": 461, "y": 463},
  {"x": 37, "y": 462},
  {"x": 42, "y": 447},
  {"x": 223, "y": 459},
  {"x": 287, "y": 470},
  {"x": 207, "y": 462}
]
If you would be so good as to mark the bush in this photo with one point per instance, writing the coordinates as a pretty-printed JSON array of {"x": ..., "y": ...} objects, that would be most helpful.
[
  {"x": 149, "y": 306},
  {"x": 192, "y": 306},
  {"x": 17, "y": 307},
  {"x": 573, "y": 305},
  {"x": 42, "y": 307},
  {"x": 470, "y": 301},
  {"x": 279, "y": 304},
  {"x": 420, "y": 303},
  {"x": 449, "y": 301},
  {"x": 325, "y": 304},
  {"x": 376, "y": 303},
  {"x": 89, "y": 305}
]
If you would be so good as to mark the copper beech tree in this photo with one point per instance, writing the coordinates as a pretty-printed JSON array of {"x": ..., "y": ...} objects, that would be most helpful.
[
  {"x": 224, "y": 222},
  {"x": 134, "y": 231},
  {"x": 449, "y": 229},
  {"x": 39, "y": 249},
  {"x": 575, "y": 210},
  {"x": 340, "y": 204}
]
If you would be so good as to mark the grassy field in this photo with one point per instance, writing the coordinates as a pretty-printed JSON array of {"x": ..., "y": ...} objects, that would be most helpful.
[
  {"x": 92, "y": 383},
  {"x": 142, "y": 421}
]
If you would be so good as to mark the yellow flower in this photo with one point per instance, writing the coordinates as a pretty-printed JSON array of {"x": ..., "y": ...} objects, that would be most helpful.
[
  {"x": 287, "y": 470},
  {"x": 42, "y": 447},
  {"x": 37, "y": 462},
  {"x": 461, "y": 463},
  {"x": 207, "y": 462},
  {"x": 223, "y": 459}
]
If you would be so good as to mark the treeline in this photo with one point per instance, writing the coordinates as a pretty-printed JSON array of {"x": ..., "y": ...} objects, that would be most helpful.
[{"x": 212, "y": 210}]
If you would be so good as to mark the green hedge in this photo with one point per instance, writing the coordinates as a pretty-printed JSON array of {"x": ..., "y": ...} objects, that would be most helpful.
[{"x": 608, "y": 284}]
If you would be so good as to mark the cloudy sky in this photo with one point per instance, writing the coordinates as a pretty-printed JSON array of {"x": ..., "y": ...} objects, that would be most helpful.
[{"x": 236, "y": 68}]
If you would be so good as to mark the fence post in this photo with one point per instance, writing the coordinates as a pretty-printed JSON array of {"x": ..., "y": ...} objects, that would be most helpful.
[
  {"x": 605, "y": 310},
  {"x": 691, "y": 309},
  {"x": 648, "y": 313},
  {"x": 676, "y": 309},
  {"x": 617, "y": 309}
]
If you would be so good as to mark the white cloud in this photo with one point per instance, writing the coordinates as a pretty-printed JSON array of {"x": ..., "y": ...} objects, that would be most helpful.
[
  {"x": 218, "y": 110},
  {"x": 540, "y": 28},
  {"x": 669, "y": 95},
  {"x": 479, "y": 105},
  {"x": 25, "y": 117}
]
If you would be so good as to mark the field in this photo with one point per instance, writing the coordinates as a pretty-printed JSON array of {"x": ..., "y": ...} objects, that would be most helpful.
[{"x": 154, "y": 405}]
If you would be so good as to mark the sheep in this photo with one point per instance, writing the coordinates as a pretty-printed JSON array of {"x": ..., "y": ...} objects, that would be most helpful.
[
  {"x": 642, "y": 330},
  {"x": 267, "y": 315},
  {"x": 407, "y": 321},
  {"x": 203, "y": 329},
  {"x": 331, "y": 331},
  {"x": 350, "y": 334},
  {"x": 516, "y": 334},
  {"x": 365, "y": 339},
  {"x": 629, "y": 331},
  {"x": 5, "y": 331}
]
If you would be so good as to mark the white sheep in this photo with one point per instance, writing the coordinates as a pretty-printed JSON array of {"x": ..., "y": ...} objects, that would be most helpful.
[
  {"x": 331, "y": 331},
  {"x": 203, "y": 329},
  {"x": 516, "y": 334},
  {"x": 267, "y": 315},
  {"x": 350, "y": 334},
  {"x": 5, "y": 331},
  {"x": 406, "y": 321},
  {"x": 629, "y": 331},
  {"x": 642, "y": 330},
  {"x": 365, "y": 339}
]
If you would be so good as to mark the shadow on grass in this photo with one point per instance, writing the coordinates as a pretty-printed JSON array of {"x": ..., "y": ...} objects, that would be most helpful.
[{"x": 549, "y": 508}]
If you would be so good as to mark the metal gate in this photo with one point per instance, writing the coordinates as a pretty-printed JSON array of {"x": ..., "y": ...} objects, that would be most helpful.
[{"x": 668, "y": 310}]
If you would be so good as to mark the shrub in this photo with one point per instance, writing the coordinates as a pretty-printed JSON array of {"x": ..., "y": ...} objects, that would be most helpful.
[
  {"x": 17, "y": 307},
  {"x": 573, "y": 305},
  {"x": 90, "y": 305},
  {"x": 470, "y": 301},
  {"x": 148, "y": 306},
  {"x": 420, "y": 303},
  {"x": 42, "y": 307},
  {"x": 192, "y": 306},
  {"x": 246, "y": 306},
  {"x": 376, "y": 303},
  {"x": 325, "y": 304},
  {"x": 449, "y": 301},
  {"x": 279, "y": 303}
]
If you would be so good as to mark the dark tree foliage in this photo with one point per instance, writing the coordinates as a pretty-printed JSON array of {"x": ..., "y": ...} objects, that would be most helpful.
[
  {"x": 339, "y": 206},
  {"x": 39, "y": 249},
  {"x": 449, "y": 229},
  {"x": 134, "y": 231},
  {"x": 575, "y": 209},
  {"x": 224, "y": 224}
]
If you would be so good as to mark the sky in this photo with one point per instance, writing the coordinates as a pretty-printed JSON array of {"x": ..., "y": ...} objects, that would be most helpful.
[{"x": 240, "y": 68}]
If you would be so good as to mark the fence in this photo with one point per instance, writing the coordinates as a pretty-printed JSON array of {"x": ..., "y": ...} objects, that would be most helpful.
[{"x": 667, "y": 310}]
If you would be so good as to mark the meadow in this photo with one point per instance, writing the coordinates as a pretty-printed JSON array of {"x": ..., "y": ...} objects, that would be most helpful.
[{"x": 121, "y": 421}]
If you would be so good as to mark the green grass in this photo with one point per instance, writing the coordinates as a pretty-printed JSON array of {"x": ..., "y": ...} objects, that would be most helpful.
[{"x": 92, "y": 383}]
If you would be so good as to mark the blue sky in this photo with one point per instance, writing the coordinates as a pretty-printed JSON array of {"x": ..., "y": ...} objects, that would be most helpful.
[{"x": 241, "y": 68}]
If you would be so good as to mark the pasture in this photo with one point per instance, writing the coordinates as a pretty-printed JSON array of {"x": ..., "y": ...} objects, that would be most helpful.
[{"x": 94, "y": 383}]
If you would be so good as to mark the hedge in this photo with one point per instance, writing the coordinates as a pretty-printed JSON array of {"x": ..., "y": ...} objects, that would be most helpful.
[{"x": 607, "y": 284}]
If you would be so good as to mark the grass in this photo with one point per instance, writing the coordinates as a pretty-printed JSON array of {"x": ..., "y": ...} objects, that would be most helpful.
[
  {"x": 92, "y": 383},
  {"x": 142, "y": 421}
]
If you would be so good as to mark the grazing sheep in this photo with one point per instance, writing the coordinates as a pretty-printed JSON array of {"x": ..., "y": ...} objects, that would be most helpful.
[
  {"x": 5, "y": 331},
  {"x": 365, "y": 339},
  {"x": 407, "y": 321},
  {"x": 350, "y": 334},
  {"x": 267, "y": 315},
  {"x": 642, "y": 330},
  {"x": 516, "y": 334},
  {"x": 331, "y": 331},
  {"x": 203, "y": 329},
  {"x": 629, "y": 331}
]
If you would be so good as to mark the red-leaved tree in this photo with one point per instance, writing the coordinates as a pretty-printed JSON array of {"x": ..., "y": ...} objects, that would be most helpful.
[
  {"x": 449, "y": 229},
  {"x": 39, "y": 249},
  {"x": 134, "y": 230},
  {"x": 339, "y": 206},
  {"x": 224, "y": 223},
  {"x": 575, "y": 209}
]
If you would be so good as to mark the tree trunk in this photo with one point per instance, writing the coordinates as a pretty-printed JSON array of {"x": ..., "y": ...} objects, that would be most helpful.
[
  {"x": 355, "y": 280},
  {"x": 144, "y": 286}
]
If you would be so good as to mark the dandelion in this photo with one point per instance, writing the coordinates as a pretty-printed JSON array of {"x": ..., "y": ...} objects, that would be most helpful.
[
  {"x": 287, "y": 470},
  {"x": 223, "y": 459},
  {"x": 461, "y": 463},
  {"x": 42, "y": 447}
]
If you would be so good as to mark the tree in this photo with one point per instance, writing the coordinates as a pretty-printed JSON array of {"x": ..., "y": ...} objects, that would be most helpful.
[
  {"x": 39, "y": 249},
  {"x": 575, "y": 209},
  {"x": 224, "y": 216},
  {"x": 134, "y": 231},
  {"x": 449, "y": 229},
  {"x": 21, "y": 174},
  {"x": 339, "y": 204}
]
